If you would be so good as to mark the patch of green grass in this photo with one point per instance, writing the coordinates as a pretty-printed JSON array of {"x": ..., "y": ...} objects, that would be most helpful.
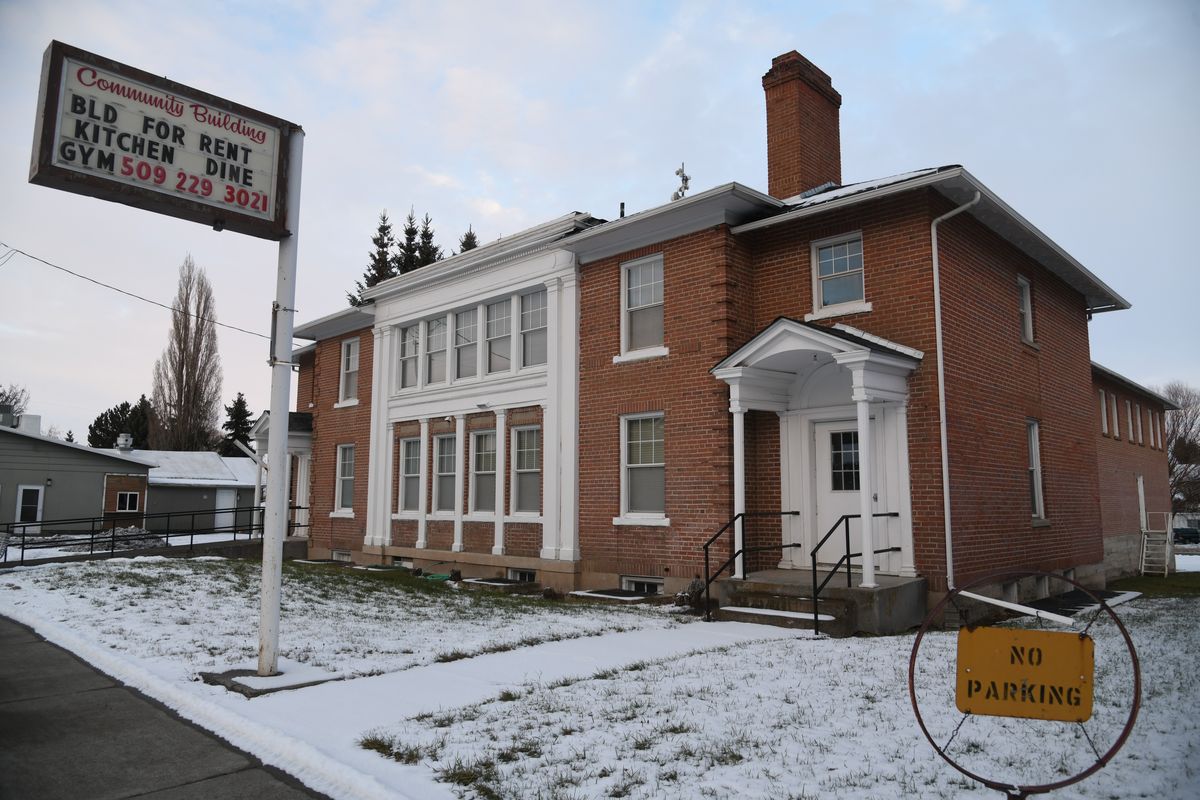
[{"x": 1180, "y": 584}]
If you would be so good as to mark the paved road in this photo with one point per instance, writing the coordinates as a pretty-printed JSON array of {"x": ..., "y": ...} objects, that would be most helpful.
[{"x": 68, "y": 731}]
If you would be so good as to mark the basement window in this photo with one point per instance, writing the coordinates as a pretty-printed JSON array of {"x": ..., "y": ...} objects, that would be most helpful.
[
  {"x": 648, "y": 586},
  {"x": 341, "y": 555},
  {"x": 522, "y": 575}
]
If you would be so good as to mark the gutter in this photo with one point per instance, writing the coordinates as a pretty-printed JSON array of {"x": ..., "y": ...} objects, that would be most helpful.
[{"x": 941, "y": 373}]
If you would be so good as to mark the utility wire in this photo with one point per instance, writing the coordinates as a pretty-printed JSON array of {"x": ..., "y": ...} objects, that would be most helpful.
[{"x": 14, "y": 250}]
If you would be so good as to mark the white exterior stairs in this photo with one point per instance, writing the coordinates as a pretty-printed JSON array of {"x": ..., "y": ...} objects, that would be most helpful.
[{"x": 1156, "y": 553}]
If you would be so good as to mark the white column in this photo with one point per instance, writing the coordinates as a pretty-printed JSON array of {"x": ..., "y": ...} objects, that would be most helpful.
[
  {"x": 423, "y": 482},
  {"x": 258, "y": 473},
  {"x": 381, "y": 339},
  {"x": 460, "y": 458},
  {"x": 566, "y": 363},
  {"x": 787, "y": 527},
  {"x": 739, "y": 485},
  {"x": 865, "y": 491},
  {"x": 387, "y": 484},
  {"x": 502, "y": 473},
  {"x": 550, "y": 481},
  {"x": 908, "y": 567}
]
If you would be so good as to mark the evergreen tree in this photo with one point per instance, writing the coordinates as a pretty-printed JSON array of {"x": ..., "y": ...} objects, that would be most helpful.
[
  {"x": 427, "y": 252},
  {"x": 468, "y": 241},
  {"x": 382, "y": 264},
  {"x": 237, "y": 427},
  {"x": 122, "y": 418},
  {"x": 406, "y": 248}
]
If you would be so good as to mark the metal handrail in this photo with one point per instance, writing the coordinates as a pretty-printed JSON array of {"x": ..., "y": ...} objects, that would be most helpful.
[
  {"x": 108, "y": 538},
  {"x": 844, "y": 522},
  {"x": 710, "y": 576}
]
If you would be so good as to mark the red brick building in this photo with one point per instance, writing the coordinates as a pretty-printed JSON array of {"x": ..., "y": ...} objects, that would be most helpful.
[{"x": 588, "y": 402}]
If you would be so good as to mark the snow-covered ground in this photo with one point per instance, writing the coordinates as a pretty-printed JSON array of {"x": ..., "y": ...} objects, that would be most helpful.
[
  {"x": 1187, "y": 563},
  {"x": 448, "y": 691},
  {"x": 14, "y": 552}
]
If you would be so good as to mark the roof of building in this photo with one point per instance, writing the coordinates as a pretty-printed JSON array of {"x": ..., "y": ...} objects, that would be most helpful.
[
  {"x": 1121, "y": 380},
  {"x": 199, "y": 468},
  {"x": 78, "y": 447}
]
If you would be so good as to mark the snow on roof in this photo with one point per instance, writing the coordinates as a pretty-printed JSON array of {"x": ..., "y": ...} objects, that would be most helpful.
[
  {"x": 812, "y": 198},
  {"x": 182, "y": 468}
]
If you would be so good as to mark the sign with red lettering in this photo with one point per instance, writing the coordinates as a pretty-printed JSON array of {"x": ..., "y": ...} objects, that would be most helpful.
[{"x": 108, "y": 130}]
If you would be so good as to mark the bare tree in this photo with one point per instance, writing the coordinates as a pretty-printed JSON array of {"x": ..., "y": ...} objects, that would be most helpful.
[
  {"x": 186, "y": 398},
  {"x": 16, "y": 396},
  {"x": 1183, "y": 445}
]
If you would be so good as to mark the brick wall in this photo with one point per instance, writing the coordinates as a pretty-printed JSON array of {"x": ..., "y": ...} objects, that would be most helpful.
[
  {"x": 318, "y": 384},
  {"x": 114, "y": 483}
]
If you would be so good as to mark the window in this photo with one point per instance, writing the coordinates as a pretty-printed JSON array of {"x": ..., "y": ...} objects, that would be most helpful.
[
  {"x": 642, "y": 304},
  {"x": 499, "y": 336},
  {"x": 343, "y": 556},
  {"x": 1156, "y": 430},
  {"x": 522, "y": 575},
  {"x": 1116, "y": 420},
  {"x": 637, "y": 585},
  {"x": 1129, "y": 420},
  {"x": 435, "y": 371},
  {"x": 127, "y": 501},
  {"x": 645, "y": 465},
  {"x": 410, "y": 475},
  {"x": 1138, "y": 415},
  {"x": 1025, "y": 309},
  {"x": 447, "y": 461},
  {"x": 483, "y": 473},
  {"x": 838, "y": 274},
  {"x": 533, "y": 328},
  {"x": 527, "y": 470},
  {"x": 344, "y": 500},
  {"x": 843, "y": 461},
  {"x": 1035, "y": 469},
  {"x": 410, "y": 344},
  {"x": 348, "y": 388},
  {"x": 1103, "y": 412},
  {"x": 466, "y": 334}
]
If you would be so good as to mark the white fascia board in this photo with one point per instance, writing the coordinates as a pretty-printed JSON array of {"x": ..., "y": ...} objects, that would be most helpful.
[
  {"x": 336, "y": 324},
  {"x": 466, "y": 398},
  {"x": 912, "y": 352},
  {"x": 729, "y": 203}
]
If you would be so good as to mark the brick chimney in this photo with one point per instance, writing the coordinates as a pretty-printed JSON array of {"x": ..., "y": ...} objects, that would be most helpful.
[{"x": 803, "y": 133}]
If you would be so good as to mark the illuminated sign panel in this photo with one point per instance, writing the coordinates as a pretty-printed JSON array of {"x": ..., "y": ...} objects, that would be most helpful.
[
  {"x": 112, "y": 131},
  {"x": 1008, "y": 672}
]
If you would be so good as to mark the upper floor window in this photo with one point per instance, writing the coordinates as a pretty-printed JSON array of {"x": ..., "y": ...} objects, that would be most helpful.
[
  {"x": 410, "y": 346},
  {"x": 838, "y": 273},
  {"x": 533, "y": 328},
  {"x": 1036, "y": 499},
  {"x": 1116, "y": 420},
  {"x": 483, "y": 475},
  {"x": 642, "y": 304},
  {"x": 410, "y": 475},
  {"x": 344, "y": 491},
  {"x": 1025, "y": 312},
  {"x": 527, "y": 470},
  {"x": 435, "y": 369},
  {"x": 499, "y": 336},
  {"x": 1138, "y": 414},
  {"x": 466, "y": 333},
  {"x": 348, "y": 385},
  {"x": 1129, "y": 420},
  {"x": 127, "y": 501},
  {"x": 1103, "y": 411}
]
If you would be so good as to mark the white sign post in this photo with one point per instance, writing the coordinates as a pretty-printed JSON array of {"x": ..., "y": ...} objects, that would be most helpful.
[{"x": 112, "y": 131}]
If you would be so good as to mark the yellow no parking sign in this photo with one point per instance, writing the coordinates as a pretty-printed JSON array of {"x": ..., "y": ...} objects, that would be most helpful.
[{"x": 1007, "y": 672}]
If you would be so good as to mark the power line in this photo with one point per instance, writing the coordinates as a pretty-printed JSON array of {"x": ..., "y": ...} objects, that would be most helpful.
[{"x": 15, "y": 250}]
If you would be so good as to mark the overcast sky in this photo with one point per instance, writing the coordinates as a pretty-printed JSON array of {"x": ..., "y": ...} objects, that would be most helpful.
[{"x": 1083, "y": 116}]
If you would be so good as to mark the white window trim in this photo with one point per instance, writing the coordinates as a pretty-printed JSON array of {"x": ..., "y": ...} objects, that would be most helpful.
[
  {"x": 1129, "y": 420},
  {"x": 1033, "y": 436},
  {"x": 520, "y": 304},
  {"x": 513, "y": 514},
  {"x": 343, "y": 401},
  {"x": 640, "y": 518},
  {"x": 1116, "y": 418},
  {"x": 434, "y": 511},
  {"x": 838, "y": 309},
  {"x": 1103, "y": 412},
  {"x": 657, "y": 351},
  {"x": 338, "y": 509},
  {"x": 472, "y": 512},
  {"x": 1137, "y": 407},
  {"x": 627, "y": 582},
  {"x": 401, "y": 512},
  {"x": 1027, "y": 328},
  {"x": 137, "y": 496}
]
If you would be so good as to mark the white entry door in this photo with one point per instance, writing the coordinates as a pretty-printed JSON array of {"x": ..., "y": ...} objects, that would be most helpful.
[
  {"x": 224, "y": 520},
  {"x": 29, "y": 508},
  {"x": 836, "y": 482}
]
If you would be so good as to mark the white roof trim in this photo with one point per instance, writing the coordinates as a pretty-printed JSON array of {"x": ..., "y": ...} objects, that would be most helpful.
[{"x": 879, "y": 340}]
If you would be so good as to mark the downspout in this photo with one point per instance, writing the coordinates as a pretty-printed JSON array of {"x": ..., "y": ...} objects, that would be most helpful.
[{"x": 941, "y": 372}]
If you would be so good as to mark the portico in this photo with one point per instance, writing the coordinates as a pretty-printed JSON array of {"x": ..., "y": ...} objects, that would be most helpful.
[{"x": 841, "y": 395}]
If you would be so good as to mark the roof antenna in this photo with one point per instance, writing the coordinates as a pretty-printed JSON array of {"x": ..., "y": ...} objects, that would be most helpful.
[{"x": 684, "y": 178}]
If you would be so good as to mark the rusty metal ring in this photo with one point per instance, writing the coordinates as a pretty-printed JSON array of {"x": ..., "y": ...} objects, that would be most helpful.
[{"x": 1010, "y": 789}]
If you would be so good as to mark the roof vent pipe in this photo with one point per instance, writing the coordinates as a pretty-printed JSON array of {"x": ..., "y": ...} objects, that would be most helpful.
[
  {"x": 124, "y": 442},
  {"x": 941, "y": 372}
]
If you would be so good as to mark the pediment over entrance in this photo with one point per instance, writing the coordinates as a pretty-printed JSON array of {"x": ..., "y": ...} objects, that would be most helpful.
[{"x": 778, "y": 368}]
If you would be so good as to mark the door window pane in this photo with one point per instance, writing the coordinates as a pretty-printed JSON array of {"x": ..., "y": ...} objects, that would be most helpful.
[{"x": 843, "y": 461}]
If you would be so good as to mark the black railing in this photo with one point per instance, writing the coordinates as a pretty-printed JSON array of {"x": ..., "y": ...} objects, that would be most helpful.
[
  {"x": 124, "y": 532},
  {"x": 844, "y": 523},
  {"x": 710, "y": 576}
]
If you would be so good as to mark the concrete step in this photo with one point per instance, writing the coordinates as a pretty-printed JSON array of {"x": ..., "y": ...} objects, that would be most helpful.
[
  {"x": 784, "y": 601},
  {"x": 830, "y": 625}
]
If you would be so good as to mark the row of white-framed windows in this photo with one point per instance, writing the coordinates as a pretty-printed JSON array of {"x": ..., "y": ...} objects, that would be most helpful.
[
  {"x": 643, "y": 465},
  {"x": 409, "y": 352},
  {"x": 344, "y": 500},
  {"x": 642, "y": 304},
  {"x": 1103, "y": 411},
  {"x": 466, "y": 336},
  {"x": 410, "y": 475},
  {"x": 435, "y": 367},
  {"x": 348, "y": 384},
  {"x": 483, "y": 473},
  {"x": 499, "y": 336},
  {"x": 1036, "y": 497},
  {"x": 445, "y": 464},
  {"x": 127, "y": 501}
]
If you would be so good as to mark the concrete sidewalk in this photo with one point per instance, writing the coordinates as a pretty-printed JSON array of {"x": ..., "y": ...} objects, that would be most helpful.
[{"x": 69, "y": 731}]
